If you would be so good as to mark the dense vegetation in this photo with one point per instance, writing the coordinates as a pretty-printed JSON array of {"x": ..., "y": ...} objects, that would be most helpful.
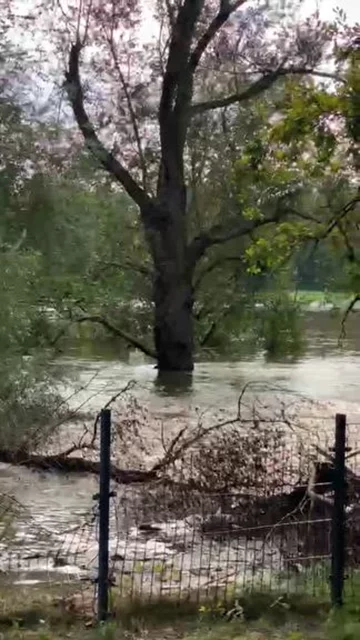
[
  {"x": 264, "y": 176},
  {"x": 224, "y": 153}
]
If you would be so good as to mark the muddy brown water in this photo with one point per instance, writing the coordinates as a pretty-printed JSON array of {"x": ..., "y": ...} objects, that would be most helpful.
[{"x": 44, "y": 543}]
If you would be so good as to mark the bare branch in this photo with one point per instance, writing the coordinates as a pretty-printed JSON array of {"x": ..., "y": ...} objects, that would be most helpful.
[
  {"x": 169, "y": 451},
  {"x": 87, "y": 22},
  {"x": 130, "y": 385},
  {"x": 353, "y": 454},
  {"x": 350, "y": 206},
  {"x": 89, "y": 444},
  {"x": 185, "y": 443},
  {"x": 134, "y": 342},
  {"x": 348, "y": 310},
  {"x": 76, "y": 447},
  {"x": 106, "y": 158},
  {"x": 132, "y": 113},
  {"x": 350, "y": 250},
  {"x": 257, "y": 88},
  {"x": 328, "y": 456},
  {"x": 225, "y": 11},
  {"x": 213, "y": 326},
  {"x": 63, "y": 403},
  {"x": 162, "y": 49},
  {"x": 80, "y": 8}
]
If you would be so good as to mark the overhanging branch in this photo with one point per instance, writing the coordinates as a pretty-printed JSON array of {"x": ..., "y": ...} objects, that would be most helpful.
[
  {"x": 257, "y": 88},
  {"x": 336, "y": 223},
  {"x": 219, "y": 235},
  {"x": 134, "y": 342},
  {"x": 116, "y": 331},
  {"x": 350, "y": 206},
  {"x": 106, "y": 158}
]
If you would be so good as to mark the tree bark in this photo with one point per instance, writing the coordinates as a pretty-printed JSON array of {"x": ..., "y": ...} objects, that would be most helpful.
[
  {"x": 166, "y": 234},
  {"x": 173, "y": 322}
]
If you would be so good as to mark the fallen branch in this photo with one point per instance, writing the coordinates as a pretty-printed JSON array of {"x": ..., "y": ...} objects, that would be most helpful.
[
  {"x": 62, "y": 464},
  {"x": 311, "y": 490}
]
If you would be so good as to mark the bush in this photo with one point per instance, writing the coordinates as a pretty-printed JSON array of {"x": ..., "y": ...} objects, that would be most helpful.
[
  {"x": 28, "y": 399},
  {"x": 280, "y": 327}
]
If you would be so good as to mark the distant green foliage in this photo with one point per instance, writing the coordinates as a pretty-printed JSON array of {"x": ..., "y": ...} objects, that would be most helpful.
[
  {"x": 281, "y": 329},
  {"x": 93, "y": 257},
  {"x": 29, "y": 402}
]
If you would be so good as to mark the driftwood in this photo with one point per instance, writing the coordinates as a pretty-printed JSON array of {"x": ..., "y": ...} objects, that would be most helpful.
[{"x": 62, "y": 463}]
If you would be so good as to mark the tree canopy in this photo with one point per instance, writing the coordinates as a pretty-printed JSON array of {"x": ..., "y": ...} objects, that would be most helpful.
[{"x": 233, "y": 132}]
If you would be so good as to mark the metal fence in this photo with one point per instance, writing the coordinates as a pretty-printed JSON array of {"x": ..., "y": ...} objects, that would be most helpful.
[{"x": 261, "y": 513}]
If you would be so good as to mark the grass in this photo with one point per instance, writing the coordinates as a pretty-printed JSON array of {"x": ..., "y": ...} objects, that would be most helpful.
[
  {"x": 316, "y": 300},
  {"x": 305, "y": 297},
  {"x": 337, "y": 298},
  {"x": 34, "y": 614}
]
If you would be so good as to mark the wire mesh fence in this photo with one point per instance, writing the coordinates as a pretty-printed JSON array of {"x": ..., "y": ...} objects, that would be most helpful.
[
  {"x": 183, "y": 539},
  {"x": 235, "y": 513}
]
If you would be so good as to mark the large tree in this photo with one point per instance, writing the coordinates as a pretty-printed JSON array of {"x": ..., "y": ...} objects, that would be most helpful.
[{"x": 137, "y": 99}]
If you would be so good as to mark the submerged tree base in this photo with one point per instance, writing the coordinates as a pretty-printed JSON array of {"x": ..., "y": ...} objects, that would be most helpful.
[{"x": 174, "y": 382}]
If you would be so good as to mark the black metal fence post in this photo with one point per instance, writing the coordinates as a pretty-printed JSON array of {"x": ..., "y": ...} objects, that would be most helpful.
[
  {"x": 338, "y": 518},
  {"x": 104, "y": 510}
]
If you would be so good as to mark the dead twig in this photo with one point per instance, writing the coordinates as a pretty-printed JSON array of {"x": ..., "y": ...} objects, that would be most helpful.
[
  {"x": 348, "y": 310},
  {"x": 129, "y": 386}
]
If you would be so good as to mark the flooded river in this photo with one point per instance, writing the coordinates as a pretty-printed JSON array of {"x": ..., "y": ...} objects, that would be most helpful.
[
  {"x": 328, "y": 371},
  {"x": 51, "y": 504}
]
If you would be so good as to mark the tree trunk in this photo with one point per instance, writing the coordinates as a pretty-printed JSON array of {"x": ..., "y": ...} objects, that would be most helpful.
[
  {"x": 165, "y": 229},
  {"x": 173, "y": 322}
]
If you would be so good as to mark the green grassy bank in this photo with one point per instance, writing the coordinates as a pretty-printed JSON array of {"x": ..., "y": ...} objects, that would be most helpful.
[{"x": 35, "y": 613}]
